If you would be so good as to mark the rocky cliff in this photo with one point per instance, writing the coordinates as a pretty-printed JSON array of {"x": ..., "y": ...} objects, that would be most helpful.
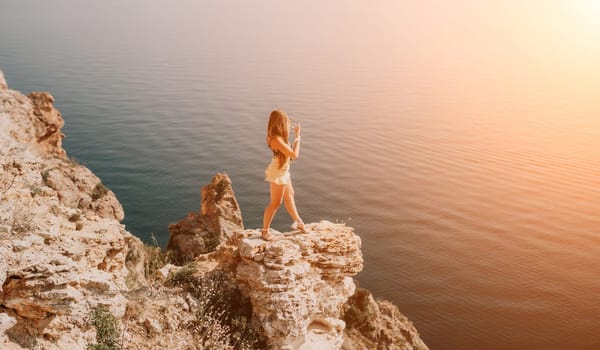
[
  {"x": 299, "y": 287},
  {"x": 299, "y": 283},
  {"x": 72, "y": 277},
  {"x": 218, "y": 219},
  {"x": 63, "y": 249}
]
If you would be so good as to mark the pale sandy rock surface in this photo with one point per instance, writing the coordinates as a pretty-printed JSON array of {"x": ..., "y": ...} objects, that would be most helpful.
[
  {"x": 303, "y": 294},
  {"x": 299, "y": 282},
  {"x": 63, "y": 248},
  {"x": 158, "y": 318}
]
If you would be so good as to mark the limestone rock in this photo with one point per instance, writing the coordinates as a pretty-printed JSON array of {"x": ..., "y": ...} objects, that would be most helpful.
[
  {"x": 378, "y": 324},
  {"x": 6, "y": 323},
  {"x": 219, "y": 218},
  {"x": 220, "y": 207},
  {"x": 48, "y": 122},
  {"x": 324, "y": 334},
  {"x": 153, "y": 326},
  {"x": 3, "y": 85},
  {"x": 77, "y": 187},
  {"x": 31, "y": 123},
  {"x": 4, "y": 251},
  {"x": 30, "y": 132},
  {"x": 135, "y": 262},
  {"x": 63, "y": 249},
  {"x": 166, "y": 270},
  {"x": 299, "y": 283}
]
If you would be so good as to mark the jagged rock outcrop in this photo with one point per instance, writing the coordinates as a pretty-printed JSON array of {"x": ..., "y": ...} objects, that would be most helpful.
[
  {"x": 42, "y": 136},
  {"x": 47, "y": 122},
  {"x": 63, "y": 248},
  {"x": 299, "y": 283},
  {"x": 219, "y": 218},
  {"x": 372, "y": 324}
]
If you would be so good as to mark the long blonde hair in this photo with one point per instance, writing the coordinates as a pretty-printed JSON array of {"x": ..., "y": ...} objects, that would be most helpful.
[{"x": 278, "y": 126}]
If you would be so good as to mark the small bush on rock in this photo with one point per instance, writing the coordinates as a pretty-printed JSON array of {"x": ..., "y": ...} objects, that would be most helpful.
[
  {"x": 223, "y": 316},
  {"x": 156, "y": 258},
  {"x": 183, "y": 277},
  {"x": 99, "y": 191},
  {"x": 107, "y": 329}
]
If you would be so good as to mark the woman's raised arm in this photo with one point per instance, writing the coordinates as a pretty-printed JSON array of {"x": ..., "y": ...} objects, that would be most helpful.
[{"x": 291, "y": 152}]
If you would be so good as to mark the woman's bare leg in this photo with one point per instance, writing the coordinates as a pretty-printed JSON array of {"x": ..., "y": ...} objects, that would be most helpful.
[
  {"x": 277, "y": 192},
  {"x": 290, "y": 204}
]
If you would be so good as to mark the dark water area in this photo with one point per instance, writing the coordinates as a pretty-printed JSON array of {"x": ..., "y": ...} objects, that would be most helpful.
[{"x": 461, "y": 141}]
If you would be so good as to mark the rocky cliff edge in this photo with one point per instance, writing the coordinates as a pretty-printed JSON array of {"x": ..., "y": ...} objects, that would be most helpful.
[
  {"x": 72, "y": 277},
  {"x": 64, "y": 251}
]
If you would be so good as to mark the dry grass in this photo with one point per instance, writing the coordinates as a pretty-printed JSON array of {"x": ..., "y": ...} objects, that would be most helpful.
[
  {"x": 156, "y": 258},
  {"x": 223, "y": 318}
]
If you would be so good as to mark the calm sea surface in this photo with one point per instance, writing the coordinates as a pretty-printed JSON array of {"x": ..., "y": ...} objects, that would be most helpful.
[{"x": 460, "y": 139}]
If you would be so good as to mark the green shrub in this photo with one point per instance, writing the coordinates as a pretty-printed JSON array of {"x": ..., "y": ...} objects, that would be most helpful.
[
  {"x": 183, "y": 277},
  {"x": 99, "y": 191},
  {"x": 107, "y": 329},
  {"x": 211, "y": 242}
]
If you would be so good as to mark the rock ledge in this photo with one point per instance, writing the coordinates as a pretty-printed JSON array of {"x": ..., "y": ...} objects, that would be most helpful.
[{"x": 298, "y": 283}]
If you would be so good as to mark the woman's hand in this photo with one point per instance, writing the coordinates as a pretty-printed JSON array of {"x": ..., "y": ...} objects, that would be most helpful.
[{"x": 297, "y": 128}]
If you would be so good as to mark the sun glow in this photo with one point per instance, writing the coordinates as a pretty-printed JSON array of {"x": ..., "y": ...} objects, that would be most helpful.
[{"x": 588, "y": 15}]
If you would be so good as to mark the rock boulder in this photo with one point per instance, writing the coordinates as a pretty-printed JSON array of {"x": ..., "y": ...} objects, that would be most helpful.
[
  {"x": 298, "y": 283},
  {"x": 218, "y": 219}
]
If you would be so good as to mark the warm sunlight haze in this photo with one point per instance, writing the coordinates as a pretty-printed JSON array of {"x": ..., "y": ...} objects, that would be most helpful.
[{"x": 460, "y": 139}]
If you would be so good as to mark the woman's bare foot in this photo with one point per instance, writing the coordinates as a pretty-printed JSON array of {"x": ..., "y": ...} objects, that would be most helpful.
[
  {"x": 265, "y": 234},
  {"x": 298, "y": 225}
]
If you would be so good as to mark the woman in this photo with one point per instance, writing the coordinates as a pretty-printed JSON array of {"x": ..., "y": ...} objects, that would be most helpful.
[{"x": 278, "y": 171}]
